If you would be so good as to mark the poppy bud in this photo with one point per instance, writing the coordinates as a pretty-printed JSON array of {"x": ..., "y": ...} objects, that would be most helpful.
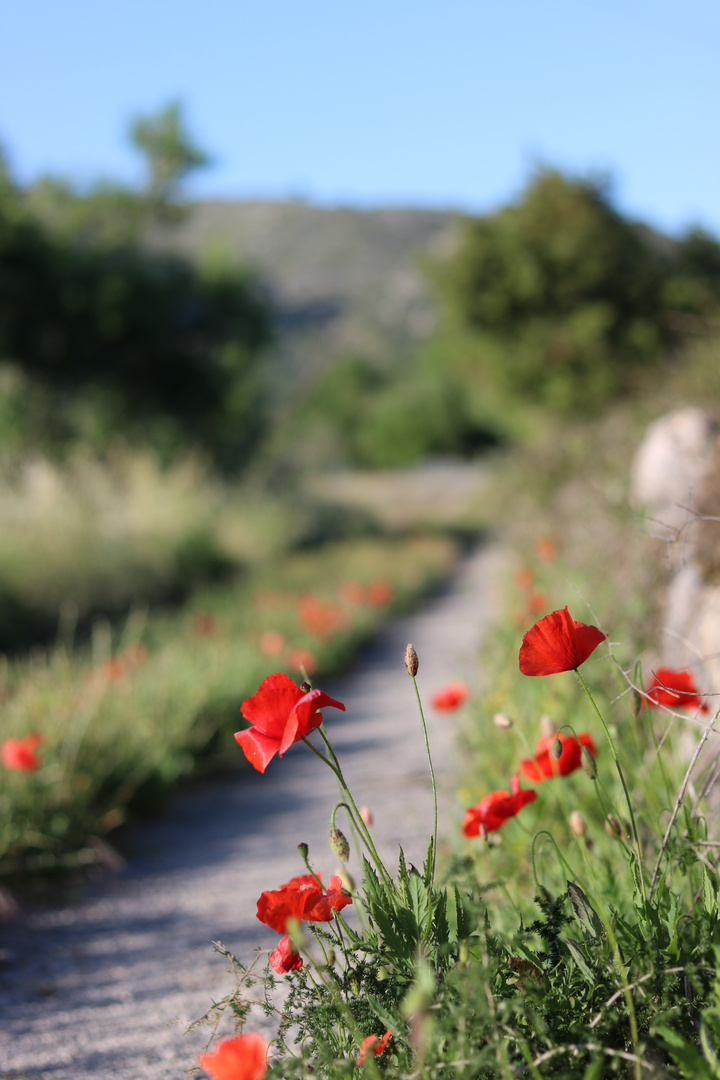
[
  {"x": 411, "y": 661},
  {"x": 556, "y": 749},
  {"x": 366, "y": 815},
  {"x": 589, "y": 763},
  {"x": 303, "y": 851},
  {"x": 502, "y": 720},
  {"x": 546, "y": 726},
  {"x": 577, "y": 823},
  {"x": 339, "y": 845},
  {"x": 305, "y": 687},
  {"x": 613, "y": 827}
]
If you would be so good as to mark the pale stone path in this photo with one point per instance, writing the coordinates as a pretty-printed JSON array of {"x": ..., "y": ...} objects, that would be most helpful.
[{"x": 89, "y": 992}]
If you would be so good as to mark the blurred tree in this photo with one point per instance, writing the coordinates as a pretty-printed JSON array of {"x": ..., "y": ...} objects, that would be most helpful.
[
  {"x": 170, "y": 152},
  {"x": 572, "y": 299},
  {"x": 157, "y": 348}
]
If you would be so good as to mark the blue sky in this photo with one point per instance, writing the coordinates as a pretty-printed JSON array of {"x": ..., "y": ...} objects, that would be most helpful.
[{"x": 384, "y": 102}]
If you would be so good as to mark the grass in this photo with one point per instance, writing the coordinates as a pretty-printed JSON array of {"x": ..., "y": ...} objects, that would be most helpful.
[{"x": 159, "y": 697}]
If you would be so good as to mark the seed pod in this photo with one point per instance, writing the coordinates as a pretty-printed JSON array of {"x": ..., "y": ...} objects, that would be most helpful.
[
  {"x": 589, "y": 763},
  {"x": 556, "y": 749},
  {"x": 339, "y": 845},
  {"x": 303, "y": 851},
  {"x": 411, "y": 660},
  {"x": 577, "y": 823},
  {"x": 305, "y": 687},
  {"x": 502, "y": 720},
  {"x": 613, "y": 827}
]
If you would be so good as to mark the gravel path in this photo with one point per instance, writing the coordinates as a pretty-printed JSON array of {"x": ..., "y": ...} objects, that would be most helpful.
[{"x": 89, "y": 992}]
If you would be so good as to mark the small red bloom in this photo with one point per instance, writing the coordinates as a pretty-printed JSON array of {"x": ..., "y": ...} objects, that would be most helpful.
[
  {"x": 675, "y": 690},
  {"x": 272, "y": 643},
  {"x": 546, "y": 549},
  {"x": 353, "y": 592},
  {"x": 379, "y": 593},
  {"x": 450, "y": 697},
  {"x": 496, "y": 808},
  {"x": 544, "y": 766},
  {"x": 20, "y": 754},
  {"x": 302, "y": 659},
  {"x": 302, "y": 899},
  {"x": 524, "y": 578},
  {"x": 281, "y": 714},
  {"x": 557, "y": 643},
  {"x": 241, "y": 1058},
  {"x": 204, "y": 625},
  {"x": 285, "y": 957},
  {"x": 373, "y": 1043}
]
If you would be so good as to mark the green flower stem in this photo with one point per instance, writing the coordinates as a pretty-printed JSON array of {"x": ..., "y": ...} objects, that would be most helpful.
[
  {"x": 563, "y": 860},
  {"x": 432, "y": 776},
  {"x": 618, "y": 766},
  {"x": 354, "y": 812}
]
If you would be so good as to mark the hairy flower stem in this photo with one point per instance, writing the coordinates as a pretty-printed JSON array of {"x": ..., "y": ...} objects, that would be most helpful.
[
  {"x": 432, "y": 776},
  {"x": 352, "y": 808},
  {"x": 618, "y": 766}
]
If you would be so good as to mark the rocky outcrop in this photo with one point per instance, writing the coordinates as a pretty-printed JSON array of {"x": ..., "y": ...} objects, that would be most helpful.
[{"x": 675, "y": 483}]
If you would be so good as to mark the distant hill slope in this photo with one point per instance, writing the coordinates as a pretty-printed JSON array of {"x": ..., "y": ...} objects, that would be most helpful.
[{"x": 341, "y": 281}]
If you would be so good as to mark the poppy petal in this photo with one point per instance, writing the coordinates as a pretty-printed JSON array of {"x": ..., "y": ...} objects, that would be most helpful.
[{"x": 259, "y": 749}]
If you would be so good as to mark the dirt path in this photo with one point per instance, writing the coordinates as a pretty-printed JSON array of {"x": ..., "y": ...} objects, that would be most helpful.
[{"x": 90, "y": 992}]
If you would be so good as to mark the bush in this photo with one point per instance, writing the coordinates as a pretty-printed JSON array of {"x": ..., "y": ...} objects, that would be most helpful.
[{"x": 579, "y": 299}]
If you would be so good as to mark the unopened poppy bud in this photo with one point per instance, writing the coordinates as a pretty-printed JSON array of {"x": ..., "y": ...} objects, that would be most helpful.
[
  {"x": 556, "y": 749},
  {"x": 354, "y": 982},
  {"x": 502, "y": 720},
  {"x": 589, "y": 763},
  {"x": 546, "y": 726},
  {"x": 339, "y": 845},
  {"x": 577, "y": 823},
  {"x": 411, "y": 660},
  {"x": 613, "y": 827},
  {"x": 330, "y": 958},
  {"x": 366, "y": 815},
  {"x": 303, "y": 851},
  {"x": 305, "y": 687}
]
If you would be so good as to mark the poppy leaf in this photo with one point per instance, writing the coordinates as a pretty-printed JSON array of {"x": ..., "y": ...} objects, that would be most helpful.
[
  {"x": 428, "y": 865},
  {"x": 584, "y": 910},
  {"x": 578, "y": 954},
  {"x": 419, "y": 902}
]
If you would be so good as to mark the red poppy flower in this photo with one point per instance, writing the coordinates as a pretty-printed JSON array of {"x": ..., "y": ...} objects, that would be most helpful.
[
  {"x": 272, "y": 643},
  {"x": 675, "y": 690},
  {"x": 544, "y": 766},
  {"x": 496, "y": 808},
  {"x": 20, "y": 754},
  {"x": 281, "y": 714},
  {"x": 557, "y": 643},
  {"x": 204, "y": 625},
  {"x": 285, "y": 957},
  {"x": 299, "y": 659},
  {"x": 373, "y": 1043},
  {"x": 450, "y": 697},
  {"x": 379, "y": 593},
  {"x": 241, "y": 1058},
  {"x": 302, "y": 899}
]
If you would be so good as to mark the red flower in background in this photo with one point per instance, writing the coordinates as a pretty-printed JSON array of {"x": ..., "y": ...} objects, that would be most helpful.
[
  {"x": 321, "y": 618},
  {"x": 379, "y": 593},
  {"x": 674, "y": 690},
  {"x": 302, "y": 659},
  {"x": 557, "y": 643},
  {"x": 373, "y": 1044},
  {"x": 353, "y": 592},
  {"x": 271, "y": 643},
  {"x": 546, "y": 549},
  {"x": 241, "y": 1058},
  {"x": 450, "y": 697},
  {"x": 281, "y": 714},
  {"x": 302, "y": 899},
  {"x": 496, "y": 808},
  {"x": 204, "y": 625},
  {"x": 285, "y": 957},
  {"x": 544, "y": 766},
  {"x": 20, "y": 754}
]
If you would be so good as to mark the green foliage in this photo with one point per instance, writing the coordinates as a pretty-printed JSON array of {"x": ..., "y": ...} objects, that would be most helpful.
[
  {"x": 572, "y": 300},
  {"x": 171, "y": 154},
  {"x": 371, "y": 417},
  {"x": 153, "y": 347}
]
